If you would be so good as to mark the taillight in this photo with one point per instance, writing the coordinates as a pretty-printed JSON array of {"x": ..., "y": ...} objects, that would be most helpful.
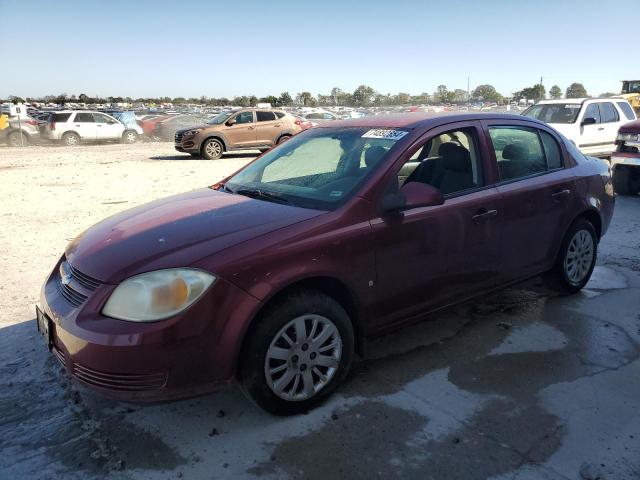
[
  {"x": 52, "y": 125},
  {"x": 32, "y": 123}
]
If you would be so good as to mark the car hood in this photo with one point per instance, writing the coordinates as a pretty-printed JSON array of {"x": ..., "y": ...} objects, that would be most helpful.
[
  {"x": 175, "y": 232},
  {"x": 631, "y": 127},
  {"x": 203, "y": 126}
]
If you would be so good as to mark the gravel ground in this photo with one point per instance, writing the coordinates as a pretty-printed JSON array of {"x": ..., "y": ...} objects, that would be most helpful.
[{"x": 522, "y": 385}]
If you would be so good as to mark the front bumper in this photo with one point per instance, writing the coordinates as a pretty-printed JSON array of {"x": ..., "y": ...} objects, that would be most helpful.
[
  {"x": 192, "y": 353},
  {"x": 186, "y": 144}
]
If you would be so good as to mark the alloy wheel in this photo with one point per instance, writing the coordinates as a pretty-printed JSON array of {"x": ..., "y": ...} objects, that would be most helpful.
[
  {"x": 303, "y": 357},
  {"x": 579, "y": 257},
  {"x": 213, "y": 149}
]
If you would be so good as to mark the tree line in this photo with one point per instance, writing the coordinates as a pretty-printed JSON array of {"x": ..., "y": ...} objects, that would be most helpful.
[{"x": 363, "y": 96}]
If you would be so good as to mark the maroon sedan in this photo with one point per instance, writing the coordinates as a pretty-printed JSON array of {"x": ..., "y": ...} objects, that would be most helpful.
[{"x": 276, "y": 275}]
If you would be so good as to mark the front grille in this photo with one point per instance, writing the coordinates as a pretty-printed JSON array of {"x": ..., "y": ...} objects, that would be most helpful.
[
  {"x": 74, "y": 298},
  {"x": 85, "y": 280},
  {"x": 128, "y": 382},
  {"x": 178, "y": 137},
  {"x": 68, "y": 281}
]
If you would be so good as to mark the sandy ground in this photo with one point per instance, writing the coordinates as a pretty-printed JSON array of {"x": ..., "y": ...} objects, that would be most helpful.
[
  {"x": 51, "y": 194},
  {"x": 522, "y": 385}
]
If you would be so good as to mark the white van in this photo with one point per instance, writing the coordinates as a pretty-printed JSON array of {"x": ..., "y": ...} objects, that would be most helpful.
[{"x": 591, "y": 123}]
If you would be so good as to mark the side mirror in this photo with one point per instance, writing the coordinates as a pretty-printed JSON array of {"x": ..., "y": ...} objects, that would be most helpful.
[
  {"x": 588, "y": 121},
  {"x": 231, "y": 122},
  {"x": 412, "y": 195}
]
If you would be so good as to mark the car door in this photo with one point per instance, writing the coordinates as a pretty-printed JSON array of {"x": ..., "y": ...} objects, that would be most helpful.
[
  {"x": 592, "y": 136},
  {"x": 84, "y": 125},
  {"x": 610, "y": 122},
  {"x": 432, "y": 256},
  {"x": 268, "y": 128},
  {"x": 242, "y": 131},
  {"x": 536, "y": 189},
  {"x": 107, "y": 128}
]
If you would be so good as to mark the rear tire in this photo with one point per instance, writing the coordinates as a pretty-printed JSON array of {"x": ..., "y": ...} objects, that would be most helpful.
[
  {"x": 212, "y": 149},
  {"x": 129, "y": 137},
  {"x": 297, "y": 353},
  {"x": 14, "y": 139},
  {"x": 576, "y": 259},
  {"x": 622, "y": 181},
  {"x": 71, "y": 139}
]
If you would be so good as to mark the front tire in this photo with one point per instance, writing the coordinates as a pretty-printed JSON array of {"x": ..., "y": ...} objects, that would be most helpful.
[
  {"x": 297, "y": 353},
  {"x": 576, "y": 259},
  {"x": 71, "y": 139},
  {"x": 212, "y": 149}
]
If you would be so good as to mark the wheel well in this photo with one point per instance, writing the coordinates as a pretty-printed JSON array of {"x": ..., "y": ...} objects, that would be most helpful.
[
  {"x": 224, "y": 145},
  {"x": 286, "y": 134},
  {"x": 332, "y": 288},
  {"x": 70, "y": 132},
  {"x": 594, "y": 218}
]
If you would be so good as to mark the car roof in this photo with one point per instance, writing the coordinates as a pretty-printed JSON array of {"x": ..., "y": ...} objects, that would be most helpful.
[
  {"x": 421, "y": 120},
  {"x": 581, "y": 100}
]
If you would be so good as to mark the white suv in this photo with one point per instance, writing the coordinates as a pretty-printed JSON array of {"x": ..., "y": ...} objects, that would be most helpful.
[
  {"x": 72, "y": 127},
  {"x": 591, "y": 123}
]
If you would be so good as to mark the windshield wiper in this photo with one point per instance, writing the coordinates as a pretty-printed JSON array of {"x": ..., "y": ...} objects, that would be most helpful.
[{"x": 261, "y": 194}]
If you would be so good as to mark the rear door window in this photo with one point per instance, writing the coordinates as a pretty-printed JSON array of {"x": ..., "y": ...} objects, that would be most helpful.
[
  {"x": 627, "y": 110},
  {"x": 84, "y": 117},
  {"x": 519, "y": 151},
  {"x": 265, "y": 116},
  {"x": 608, "y": 113}
]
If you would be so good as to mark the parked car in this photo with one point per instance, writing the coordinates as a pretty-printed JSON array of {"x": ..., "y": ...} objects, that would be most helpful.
[
  {"x": 625, "y": 161},
  {"x": 27, "y": 128},
  {"x": 71, "y": 127},
  {"x": 591, "y": 123},
  {"x": 246, "y": 129},
  {"x": 321, "y": 117},
  {"x": 276, "y": 275},
  {"x": 166, "y": 128},
  {"x": 149, "y": 124}
]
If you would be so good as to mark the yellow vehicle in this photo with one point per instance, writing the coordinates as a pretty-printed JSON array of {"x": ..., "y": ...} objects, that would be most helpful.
[{"x": 631, "y": 92}]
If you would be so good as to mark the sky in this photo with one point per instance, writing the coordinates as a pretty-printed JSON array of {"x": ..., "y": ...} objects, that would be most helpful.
[{"x": 144, "y": 48}]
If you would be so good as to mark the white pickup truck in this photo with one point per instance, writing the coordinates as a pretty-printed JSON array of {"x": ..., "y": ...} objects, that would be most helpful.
[{"x": 591, "y": 123}]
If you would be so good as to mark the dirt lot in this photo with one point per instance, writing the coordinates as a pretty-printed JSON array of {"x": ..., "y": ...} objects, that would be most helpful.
[{"x": 522, "y": 385}]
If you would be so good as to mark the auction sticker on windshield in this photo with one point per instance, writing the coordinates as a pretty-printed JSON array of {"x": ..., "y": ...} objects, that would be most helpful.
[{"x": 386, "y": 134}]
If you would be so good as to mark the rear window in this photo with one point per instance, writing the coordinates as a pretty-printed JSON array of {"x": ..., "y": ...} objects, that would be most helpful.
[
  {"x": 61, "y": 117},
  {"x": 554, "y": 112},
  {"x": 627, "y": 110}
]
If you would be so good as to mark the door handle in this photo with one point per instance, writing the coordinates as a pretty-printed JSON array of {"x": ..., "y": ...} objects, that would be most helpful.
[
  {"x": 251, "y": 128},
  {"x": 601, "y": 128},
  {"x": 561, "y": 193},
  {"x": 277, "y": 125},
  {"x": 484, "y": 214}
]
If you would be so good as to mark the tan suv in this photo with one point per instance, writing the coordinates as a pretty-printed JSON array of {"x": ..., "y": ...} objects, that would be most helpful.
[{"x": 247, "y": 129}]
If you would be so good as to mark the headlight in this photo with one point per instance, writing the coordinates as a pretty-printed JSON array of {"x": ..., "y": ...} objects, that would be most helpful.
[
  {"x": 192, "y": 132},
  {"x": 157, "y": 295}
]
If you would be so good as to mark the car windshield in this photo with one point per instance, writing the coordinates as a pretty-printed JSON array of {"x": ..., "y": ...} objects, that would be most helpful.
[
  {"x": 318, "y": 169},
  {"x": 554, "y": 112},
  {"x": 220, "y": 118}
]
